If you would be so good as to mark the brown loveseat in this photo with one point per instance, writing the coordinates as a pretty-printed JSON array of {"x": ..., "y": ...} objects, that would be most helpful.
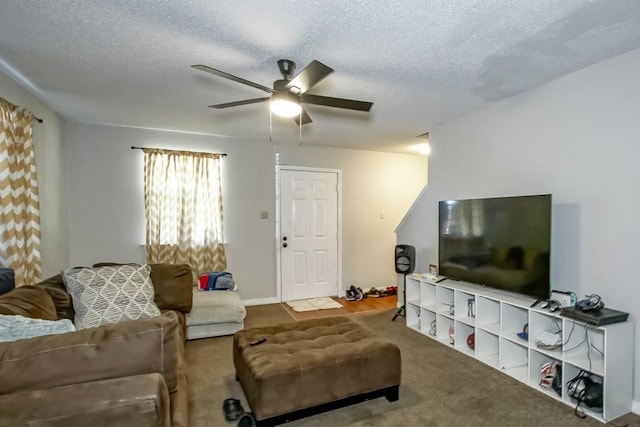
[{"x": 131, "y": 373}]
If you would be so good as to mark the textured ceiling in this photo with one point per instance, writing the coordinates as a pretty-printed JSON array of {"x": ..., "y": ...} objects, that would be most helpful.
[{"x": 421, "y": 62}]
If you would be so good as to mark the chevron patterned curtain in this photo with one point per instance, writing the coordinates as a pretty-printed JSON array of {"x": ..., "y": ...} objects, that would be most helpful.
[
  {"x": 183, "y": 208},
  {"x": 19, "y": 205}
]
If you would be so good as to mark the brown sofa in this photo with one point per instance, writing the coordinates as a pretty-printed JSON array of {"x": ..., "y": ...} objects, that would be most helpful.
[{"x": 131, "y": 373}]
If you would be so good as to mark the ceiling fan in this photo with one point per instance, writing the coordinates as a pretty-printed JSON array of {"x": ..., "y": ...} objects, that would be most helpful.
[{"x": 290, "y": 92}]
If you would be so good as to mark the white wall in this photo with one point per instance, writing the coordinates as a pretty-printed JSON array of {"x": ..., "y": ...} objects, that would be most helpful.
[
  {"x": 107, "y": 199},
  {"x": 106, "y": 219},
  {"x": 576, "y": 138},
  {"x": 374, "y": 183},
  {"x": 54, "y": 244}
]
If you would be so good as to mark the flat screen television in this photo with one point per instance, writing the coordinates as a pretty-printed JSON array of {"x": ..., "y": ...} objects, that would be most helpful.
[{"x": 502, "y": 243}]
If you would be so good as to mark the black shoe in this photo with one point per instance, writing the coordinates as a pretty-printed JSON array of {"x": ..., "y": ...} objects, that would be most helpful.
[
  {"x": 349, "y": 295},
  {"x": 232, "y": 409},
  {"x": 247, "y": 420},
  {"x": 357, "y": 294}
]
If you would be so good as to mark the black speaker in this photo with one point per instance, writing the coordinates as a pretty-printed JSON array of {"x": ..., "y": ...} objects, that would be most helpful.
[{"x": 405, "y": 258}]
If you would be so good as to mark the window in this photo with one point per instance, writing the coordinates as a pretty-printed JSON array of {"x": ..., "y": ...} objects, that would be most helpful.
[{"x": 183, "y": 208}]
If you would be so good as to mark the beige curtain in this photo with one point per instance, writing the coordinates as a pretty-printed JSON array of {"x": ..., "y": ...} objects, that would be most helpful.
[
  {"x": 183, "y": 208},
  {"x": 19, "y": 205}
]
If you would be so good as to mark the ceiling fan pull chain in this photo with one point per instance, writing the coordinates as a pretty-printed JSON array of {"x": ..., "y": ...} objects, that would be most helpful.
[
  {"x": 270, "y": 126},
  {"x": 300, "y": 129}
]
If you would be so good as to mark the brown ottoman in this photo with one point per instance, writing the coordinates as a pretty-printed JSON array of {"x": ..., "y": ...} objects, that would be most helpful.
[{"x": 311, "y": 366}]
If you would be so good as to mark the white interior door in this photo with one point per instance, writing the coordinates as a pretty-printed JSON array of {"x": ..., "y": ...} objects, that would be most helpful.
[{"x": 308, "y": 234}]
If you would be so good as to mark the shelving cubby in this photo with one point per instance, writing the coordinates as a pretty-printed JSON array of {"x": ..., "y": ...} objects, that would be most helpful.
[
  {"x": 428, "y": 296},
  {"x": 462, "y": 310},
  {"x": 412, "y": 307},
  {"x": 444, "y": 301},
  {"x": 441, "y": 311}
]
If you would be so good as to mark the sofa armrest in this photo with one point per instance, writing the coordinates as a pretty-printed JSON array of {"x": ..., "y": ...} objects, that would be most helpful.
[
  {"x": 140, "y": 401},
  {"x": 134, "y": 347}
]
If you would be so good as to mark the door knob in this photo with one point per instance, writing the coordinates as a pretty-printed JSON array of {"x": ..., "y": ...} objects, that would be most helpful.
[{"x": 284, "y": 245}]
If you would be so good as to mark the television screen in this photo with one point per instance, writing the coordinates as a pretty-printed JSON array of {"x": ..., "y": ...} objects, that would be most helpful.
[{"x": 503, "y": 243}]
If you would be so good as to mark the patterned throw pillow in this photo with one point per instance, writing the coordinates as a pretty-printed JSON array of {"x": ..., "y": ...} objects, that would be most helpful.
[{"x": 111, "y": 294}]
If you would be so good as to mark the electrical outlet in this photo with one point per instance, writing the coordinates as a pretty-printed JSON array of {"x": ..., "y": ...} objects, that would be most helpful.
[{"x": 264, "y": 215}]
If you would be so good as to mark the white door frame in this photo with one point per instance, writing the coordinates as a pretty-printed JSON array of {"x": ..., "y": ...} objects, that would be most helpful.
[{"x": 338, "y": 172}]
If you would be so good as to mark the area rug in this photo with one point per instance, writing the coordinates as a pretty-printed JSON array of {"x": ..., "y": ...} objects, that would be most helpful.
[{"x": 323, "y": 303}]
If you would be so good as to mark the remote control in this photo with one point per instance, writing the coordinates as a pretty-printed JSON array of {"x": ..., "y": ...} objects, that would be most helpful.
[{"x": 258, "y": 341}]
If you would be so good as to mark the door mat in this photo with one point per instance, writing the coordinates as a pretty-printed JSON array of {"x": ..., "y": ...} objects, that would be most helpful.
[{"x": 323, "y": 303}]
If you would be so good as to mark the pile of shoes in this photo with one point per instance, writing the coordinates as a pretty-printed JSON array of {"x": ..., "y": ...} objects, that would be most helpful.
[
  {"x": 233, "y": 411},
  {"x": 384, "y": 292},
  {"x": 354, "y": 294}
]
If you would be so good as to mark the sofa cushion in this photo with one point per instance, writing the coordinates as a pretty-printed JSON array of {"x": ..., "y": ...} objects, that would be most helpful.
[
  {"x": 112, "y": 294},
  {"x": 137, "y": 400},
  {"x": 61, "y": 298},
  {"x": 211, "y": 307},
  {"x": 28, "y": 301},
  {"x": 172, "y": 285}
]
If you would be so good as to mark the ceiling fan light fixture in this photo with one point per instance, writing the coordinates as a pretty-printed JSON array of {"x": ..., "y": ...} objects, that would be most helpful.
[
  {"x": 424, "y": 149},
  {"x": 284, "y": 105}
]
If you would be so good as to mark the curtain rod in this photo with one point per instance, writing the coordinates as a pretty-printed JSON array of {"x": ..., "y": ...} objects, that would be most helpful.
[
  {"x": 37, "y": 119},
  {"x": 198, "y": 152}
]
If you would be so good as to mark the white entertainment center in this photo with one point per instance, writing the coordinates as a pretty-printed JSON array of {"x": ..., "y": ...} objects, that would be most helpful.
[{"x": 442, "y": 312}]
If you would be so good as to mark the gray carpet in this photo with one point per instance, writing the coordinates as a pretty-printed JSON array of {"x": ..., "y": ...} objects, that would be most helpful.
[{"x": 440, "y": 386}]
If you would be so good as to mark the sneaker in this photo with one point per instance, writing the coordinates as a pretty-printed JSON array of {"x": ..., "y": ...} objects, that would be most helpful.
[
  {"x": 349, "y": 295},
  {"x": 357, "y": 293},
  {"x": 373, "y": 292}
]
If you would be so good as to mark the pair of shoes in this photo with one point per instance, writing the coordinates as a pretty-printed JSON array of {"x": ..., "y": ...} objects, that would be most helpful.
[
  {"x": 247, "y": 420},
  {"x": 354, "y": 294},
  {"x": 373, "y": 292},
  {"x": 233, "y": 409}
]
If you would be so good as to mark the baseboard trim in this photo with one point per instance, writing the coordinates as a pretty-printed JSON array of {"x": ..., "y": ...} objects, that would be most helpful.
[
  {"x": 260, "y": 301},
  {"x": 635, "y": 407}
]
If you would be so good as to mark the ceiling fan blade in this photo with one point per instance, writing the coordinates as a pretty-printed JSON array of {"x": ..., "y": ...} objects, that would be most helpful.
[
  {"x": 219, "y": 73},
  {"x": 349, "y": 104},
  {"x": 310, "y": 76},
  {"x": 305, "y": 118},
  {"x": 238, "y": 103}
]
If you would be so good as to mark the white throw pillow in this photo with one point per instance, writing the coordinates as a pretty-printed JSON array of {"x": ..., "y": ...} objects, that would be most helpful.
[{"x": 110, "y": 294}]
